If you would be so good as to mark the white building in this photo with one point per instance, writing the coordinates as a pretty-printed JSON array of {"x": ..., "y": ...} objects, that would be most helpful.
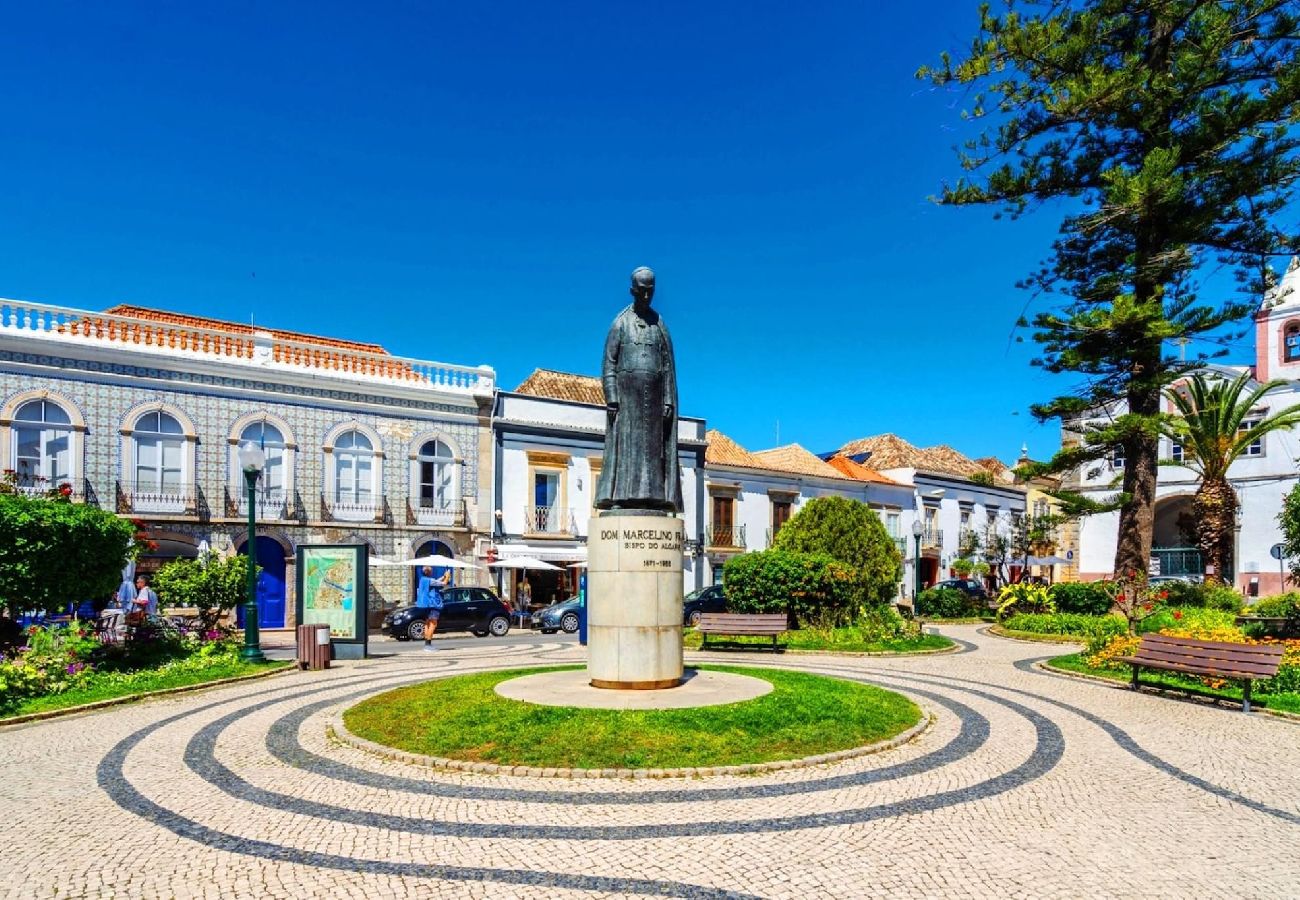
[
  {"x": 752, "y": 494},
  {"x": 1261, "y": 478},
  {"x": 960, "y": 503},
  {"x": 549, "y": 442}
]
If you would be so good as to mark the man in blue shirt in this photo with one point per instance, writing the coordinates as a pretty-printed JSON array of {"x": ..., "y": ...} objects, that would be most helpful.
[{"x": 428, "y": 595}]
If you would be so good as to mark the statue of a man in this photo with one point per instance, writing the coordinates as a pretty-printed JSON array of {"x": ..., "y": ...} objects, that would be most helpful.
[{"x": 640, "y": 469}]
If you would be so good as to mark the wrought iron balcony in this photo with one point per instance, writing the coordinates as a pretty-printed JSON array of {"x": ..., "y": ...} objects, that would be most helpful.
[
  {"x": 352, "y": 511},
  {"x": 155, "y": 498},
  {"x": 272, "y": 504},
  {"x": 548, "y": 520},
  {"x": 726, "y": 536},
  {"x": 40, "y": 486},
  {"x": 435, "y": 514},
  {"x": 932, "y": 539},
  {"x": 1176, "y": 561}
]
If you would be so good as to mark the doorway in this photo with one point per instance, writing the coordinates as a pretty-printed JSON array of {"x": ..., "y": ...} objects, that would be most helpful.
[
  {"x": 432, "y": 548},
  {"x": 270, "y": 584}
]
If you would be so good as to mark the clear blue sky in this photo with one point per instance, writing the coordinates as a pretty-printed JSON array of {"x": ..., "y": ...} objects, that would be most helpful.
[{"x": 474, "y": 183}]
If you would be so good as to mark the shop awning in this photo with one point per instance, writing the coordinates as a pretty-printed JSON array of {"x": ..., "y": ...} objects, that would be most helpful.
[{"x": 549, "y": 554}]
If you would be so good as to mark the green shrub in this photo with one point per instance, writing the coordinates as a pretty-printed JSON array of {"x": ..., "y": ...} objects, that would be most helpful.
[
  {"x": 849, "y": 532},
  {"x": 1187, "y": 617},
  {"x": 54, "y": 552},
  {"x": 1088, "y": 598},
  {"x": 1024, "y": 597},
  {"x": 947, "y": 603},
  {"x": 1096, "y": 630},
  {"x": 807, "y": 587},
  {"x": 1282, "y": 606},
  {"x": 1200, "y": 596},
  {"x": 214, "y": 586}
]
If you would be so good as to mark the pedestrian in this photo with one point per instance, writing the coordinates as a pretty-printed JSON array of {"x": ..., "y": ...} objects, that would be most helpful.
[
  {"x": 428, "y": 595},
  {"x": 525, "y": 594},
  {"x": 145, "y": 603}
]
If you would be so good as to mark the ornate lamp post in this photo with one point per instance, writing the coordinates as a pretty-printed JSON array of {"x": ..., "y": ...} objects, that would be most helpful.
[
  {"x": 917, "y": 530},
  {"x": 252, "y": 460}
]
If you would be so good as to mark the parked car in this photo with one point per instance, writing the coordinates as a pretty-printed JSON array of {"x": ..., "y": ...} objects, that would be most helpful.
[
  {"x": 968, "y": 586},
  {"x": 562, "y": 616},
  {"x": 709, "y": 599},
  {"x": 473, "y": 609}
]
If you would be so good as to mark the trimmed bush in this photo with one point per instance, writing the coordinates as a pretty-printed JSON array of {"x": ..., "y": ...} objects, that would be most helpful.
[
  {"x": 1282, "y": 606},
  {"x": 807, "y": 587},
  {"x": 1087, "y": 598},
  {"x": 848, "y": 531},
  {"x": 1200, "y": 596},
  {"x": 1096, "y": 630},
  {"x": 947, "y": 603}
]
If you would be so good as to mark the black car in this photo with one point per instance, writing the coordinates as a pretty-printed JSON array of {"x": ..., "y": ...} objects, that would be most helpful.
[
  {"x": 472, "y": 609},
  {"x": 562, "y": 616},
  {"x": 967, "y": 586},
  {"x": 709, "y": 599}
]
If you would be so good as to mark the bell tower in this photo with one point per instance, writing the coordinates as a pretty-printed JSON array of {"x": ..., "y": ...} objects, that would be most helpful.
[{"x": 1277, "y": 328}]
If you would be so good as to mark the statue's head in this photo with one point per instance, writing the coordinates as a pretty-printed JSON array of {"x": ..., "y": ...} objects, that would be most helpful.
[{"x": 643, "y": 287}]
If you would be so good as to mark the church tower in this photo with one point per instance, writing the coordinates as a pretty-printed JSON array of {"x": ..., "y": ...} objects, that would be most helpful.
[{"x": 1277, "y": 328}]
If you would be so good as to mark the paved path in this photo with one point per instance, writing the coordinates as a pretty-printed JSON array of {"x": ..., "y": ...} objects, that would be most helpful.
[{"x": 1028, "y": 785}]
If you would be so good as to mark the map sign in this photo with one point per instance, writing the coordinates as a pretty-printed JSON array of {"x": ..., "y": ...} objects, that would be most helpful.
[{"x": 332, "y": 586}]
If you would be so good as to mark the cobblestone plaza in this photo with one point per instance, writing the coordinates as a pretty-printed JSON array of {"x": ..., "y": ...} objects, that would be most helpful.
[{"x": 1027, "y": 784}]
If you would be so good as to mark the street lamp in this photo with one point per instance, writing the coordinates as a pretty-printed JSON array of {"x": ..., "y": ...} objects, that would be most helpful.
[
  {"x": 917, "y": 530},
  {"x": 252, "y": 460}
]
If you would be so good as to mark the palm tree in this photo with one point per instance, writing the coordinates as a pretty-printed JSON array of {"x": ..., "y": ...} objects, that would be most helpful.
[{"x": 1214, "y": 427}]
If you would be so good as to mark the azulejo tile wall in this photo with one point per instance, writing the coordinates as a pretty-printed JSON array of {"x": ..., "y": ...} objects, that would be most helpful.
[{"x": 105, "y": 393}]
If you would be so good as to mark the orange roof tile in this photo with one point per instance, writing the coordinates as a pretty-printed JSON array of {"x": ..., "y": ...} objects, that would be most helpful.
[
  {"x": 795, "y": 459},
  {"x": 563, "y": 386},
  {"x": 171, "y": 318},
  {"x": 889, "y": 451},
  {"x": 723, "y": 451},
  {"x": 858, "y": 471}
]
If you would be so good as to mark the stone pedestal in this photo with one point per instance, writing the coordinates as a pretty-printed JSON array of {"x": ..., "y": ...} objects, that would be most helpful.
[{"x": 634, "y": 600}]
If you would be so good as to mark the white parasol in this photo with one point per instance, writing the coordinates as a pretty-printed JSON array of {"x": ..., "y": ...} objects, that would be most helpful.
[
  {"x": 524, "y": 562},
  {"x": 437, "y": 560}
]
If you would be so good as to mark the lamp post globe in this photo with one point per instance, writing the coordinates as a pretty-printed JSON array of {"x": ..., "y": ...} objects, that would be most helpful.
[
  {"x": 917, "y": 530},
  {"x": 252, "y": 460}
]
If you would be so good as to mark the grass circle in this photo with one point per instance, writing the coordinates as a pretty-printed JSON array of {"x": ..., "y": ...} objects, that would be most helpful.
[{"x": 462, "y": 718}]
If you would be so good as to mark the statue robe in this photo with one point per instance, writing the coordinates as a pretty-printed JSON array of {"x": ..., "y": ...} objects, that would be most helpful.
[{"x": 640, "y": 469}]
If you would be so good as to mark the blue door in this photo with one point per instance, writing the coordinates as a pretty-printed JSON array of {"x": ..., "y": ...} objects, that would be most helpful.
[
  {"x": 270, "y": 585},
  {"x": 432, "y": 548}
]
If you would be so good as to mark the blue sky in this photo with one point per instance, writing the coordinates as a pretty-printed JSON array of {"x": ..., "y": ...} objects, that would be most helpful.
[{"x": 474, "y": 183}]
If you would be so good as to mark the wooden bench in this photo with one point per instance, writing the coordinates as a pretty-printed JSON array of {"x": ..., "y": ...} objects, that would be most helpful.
[
  {"x": 742, "y": 625},
  {"x": 1242, "y": 662}
]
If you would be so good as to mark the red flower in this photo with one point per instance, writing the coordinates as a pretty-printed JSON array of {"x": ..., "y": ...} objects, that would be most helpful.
[
  {"x": 1164, "y": 595},
  {"x": 1178, "y": 614}
]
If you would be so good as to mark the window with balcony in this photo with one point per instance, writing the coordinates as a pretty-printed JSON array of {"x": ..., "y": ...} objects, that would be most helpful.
[
  {"x": 356, "y": 477},
  {"x": 160, "y": 473},
  {"x": 723, "y": 531},
  {"x": 42, "y": 442},
  {"x": 436, "y": 484},
  {"x": 273, "y": 487},
  {"x": 546, "y": 510}
]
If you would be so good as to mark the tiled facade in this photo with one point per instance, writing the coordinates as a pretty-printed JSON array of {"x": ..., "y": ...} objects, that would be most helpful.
[{"x": 105, "y": 391}]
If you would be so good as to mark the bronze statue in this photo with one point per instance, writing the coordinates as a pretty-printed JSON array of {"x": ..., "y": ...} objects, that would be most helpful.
[{"x": 640, "y": 469}]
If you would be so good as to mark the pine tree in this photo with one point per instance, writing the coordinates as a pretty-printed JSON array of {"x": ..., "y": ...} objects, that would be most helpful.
[{"x": 1167, "y": 127}]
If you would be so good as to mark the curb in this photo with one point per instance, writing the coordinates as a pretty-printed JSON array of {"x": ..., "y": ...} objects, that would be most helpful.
[
  {"x": 335, "y": 729},
  {"x": 1021, "y": 637},
  {"x": 147, "y": 695},
  {"x": 1124, "y": 686}
]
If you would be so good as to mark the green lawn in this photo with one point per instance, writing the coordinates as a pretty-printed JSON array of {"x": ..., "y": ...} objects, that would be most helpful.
[
  {"x": 1077, "y": 662},
  {"x": 842, "y": 640},
  {"x": 111, "y": 687},
  {"x": 463, "y": 718}
]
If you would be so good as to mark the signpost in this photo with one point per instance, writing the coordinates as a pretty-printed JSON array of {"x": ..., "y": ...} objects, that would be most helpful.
[
  {"x": 1277, "y": 551},
  {"x": 332, "y": 590}
]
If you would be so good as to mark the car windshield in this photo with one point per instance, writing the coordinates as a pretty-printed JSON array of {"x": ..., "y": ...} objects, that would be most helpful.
[{"x": 695, "y": 594}]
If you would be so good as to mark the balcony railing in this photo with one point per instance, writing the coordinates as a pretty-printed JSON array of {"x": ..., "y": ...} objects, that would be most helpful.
[
  {"x": 159, "y": 499},
  {"x": 274, "y": 503},
  {"x": 430, "y": 513},
  {"x": 1176, "y": 561},
  {"x": 726, "y": 536},
  {"x": 351, "y": 511},
  {"x": 40, "y": 486},
  {"x": 932, "y": 539},
  {"x": 548, "y": 520},
  {"x": 260, "y": 348}
]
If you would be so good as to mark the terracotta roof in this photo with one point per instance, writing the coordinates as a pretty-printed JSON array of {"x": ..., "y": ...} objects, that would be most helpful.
[
  {"x": 188, "y": 321},
  {"x": 889, "y": 451},
  {"x": 858, "y": 471},
  {"x": 563, "y": 386},
  {"x": 723, "y": 451},
  {"x": 992, "y": 465},
  {"x": 795, "y": 459}
]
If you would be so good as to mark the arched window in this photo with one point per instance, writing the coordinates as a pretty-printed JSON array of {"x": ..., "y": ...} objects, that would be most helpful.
[
  {"x": 1291, "y": 343},
  {"x": 272, "y": 486},
  {"x": 437, "y": 472},
  {"x": 42, "y": 442},
  {"x": 160, "y": 470},
  {"x": 354, "y": 476}
]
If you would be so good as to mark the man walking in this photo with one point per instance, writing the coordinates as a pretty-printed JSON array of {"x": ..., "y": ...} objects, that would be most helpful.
[{"x": 428, "y": 595}]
